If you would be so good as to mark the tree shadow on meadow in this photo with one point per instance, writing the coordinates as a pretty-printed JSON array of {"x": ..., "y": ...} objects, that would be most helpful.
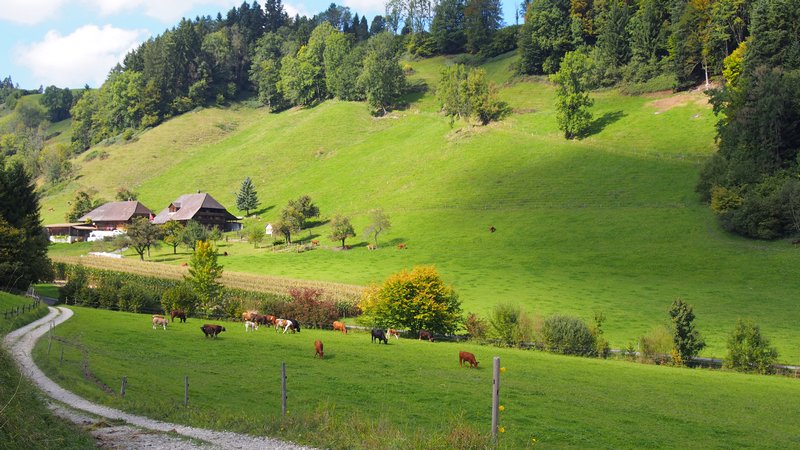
[
  {"x": 261, "y": 211},
  {"x": 603, "y": 121}
]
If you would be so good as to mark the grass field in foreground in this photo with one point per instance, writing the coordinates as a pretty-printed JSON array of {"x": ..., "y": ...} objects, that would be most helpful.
[
  {"x": 609, "y": 223},
  {"x": 25, "y": 422},
  {"x": 411, "y": 393}
]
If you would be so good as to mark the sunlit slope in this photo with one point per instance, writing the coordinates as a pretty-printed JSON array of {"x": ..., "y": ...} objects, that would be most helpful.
[{"x": 609, "y": 223}]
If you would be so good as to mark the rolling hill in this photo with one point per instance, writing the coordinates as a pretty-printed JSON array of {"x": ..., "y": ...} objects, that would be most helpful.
[{"x": 609, "y": 223}]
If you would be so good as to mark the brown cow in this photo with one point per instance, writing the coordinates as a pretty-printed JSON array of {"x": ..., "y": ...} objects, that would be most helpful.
[
  {"x": 392, "y": 332},
  {"x": 249, "y": 315},
  {"x": 212, "y": 330},
  {"x": 179, "y": 313},
  {"x": 424, "y": 334},
  {"x": 264, "y": 319},
  {"x": 468, "y": 357},
  {"x": 339, "y": 326},
  {"x": 318, "y": 348}
]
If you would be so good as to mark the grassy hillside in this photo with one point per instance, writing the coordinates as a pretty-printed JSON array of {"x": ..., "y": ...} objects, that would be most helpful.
[
  {"x": 609, "y": 223},
  {"x": 410, "y": 393}
]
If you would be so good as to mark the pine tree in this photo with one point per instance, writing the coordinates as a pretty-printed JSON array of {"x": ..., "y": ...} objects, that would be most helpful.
[
  {"x": 686, "y": 341},
  {"x": 247, "y": 198},
  {"x": 23, "y": 241}
]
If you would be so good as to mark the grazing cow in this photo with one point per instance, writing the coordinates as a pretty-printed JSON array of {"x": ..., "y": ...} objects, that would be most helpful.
[
  {"x": 159, "y": 322},
  {"x": 339, "y": 326},
  {"x": 158, "y": 315},
  {"x": 492, "y": 229},
  {"x": 424, "y": 334},
  {"x": 184, "y": 264},
  {"x": 212, "y": 330},
  {"x": 249, "y": 315},
  {"x": 401, "y": 246},
  {"x": 179, "y": 313},
  {"x": 379, "y": 335},
  {"x": 248, "y": 325},
  {"x": 392, "y": 332},
  {"x": 467, "y": 357},
  {"x": 263, "y": 319},
  {"x": 318, "y": 348},
  {"x": 287, "y": 324}
]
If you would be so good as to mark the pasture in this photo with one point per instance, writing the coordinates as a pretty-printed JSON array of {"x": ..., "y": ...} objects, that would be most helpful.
[
  {"x": 410, "y": 393},
  {"x": 606, "y": 224},
  {"x": 25, "y": 421}
]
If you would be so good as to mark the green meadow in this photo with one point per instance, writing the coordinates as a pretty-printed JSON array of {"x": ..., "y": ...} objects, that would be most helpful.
[
  {"x": 609, "y": 223},
  {"x": 410, "y": 393},
  {"x": 25, "y": 421}
]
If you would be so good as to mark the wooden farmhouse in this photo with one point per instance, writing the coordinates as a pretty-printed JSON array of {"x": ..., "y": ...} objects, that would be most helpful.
[
  {"x": 116, "y": 215},
  {"x": 108, "y": 217},
  {"x": 202, "y": 208}
]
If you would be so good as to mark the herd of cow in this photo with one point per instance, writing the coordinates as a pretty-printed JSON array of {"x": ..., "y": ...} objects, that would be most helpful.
[{"x": 252, "y": 320}]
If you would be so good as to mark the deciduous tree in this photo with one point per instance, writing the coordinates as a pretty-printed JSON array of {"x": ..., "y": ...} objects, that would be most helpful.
[
  {"x": 382, "y": 78},
  {"x": 378, "y": 223},
  {"x": 749, "y": 351},
  {"x": 142, "y": 234},
  {"x": 341, "y": 229},
  {"x": 204, "y": 275},
  {"x": 572, "y": 98},
  {"x": 414, "y": 300}
]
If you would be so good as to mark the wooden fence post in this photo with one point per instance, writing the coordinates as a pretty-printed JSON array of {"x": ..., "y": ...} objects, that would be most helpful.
[
  {"x": 186, "y": 391},
  {"x": 61, "y": 358},
  {"x": 283, "y": 389},
  {"x": 495, "y": 396},
  {"x": 122, "y": 389}
]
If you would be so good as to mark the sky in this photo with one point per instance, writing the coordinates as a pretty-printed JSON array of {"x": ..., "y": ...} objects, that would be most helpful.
[{"x": 72, "y": 43}]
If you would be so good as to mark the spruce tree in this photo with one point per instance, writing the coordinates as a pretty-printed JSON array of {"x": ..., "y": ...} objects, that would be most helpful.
[
  {"x": 23, "y": 247},
  {"x": 247, "y": 198},
  {"x": 686, "y": 341}
]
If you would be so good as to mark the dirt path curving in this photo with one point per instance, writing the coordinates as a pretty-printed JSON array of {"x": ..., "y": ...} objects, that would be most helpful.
[{"x": 114, "y": 428}]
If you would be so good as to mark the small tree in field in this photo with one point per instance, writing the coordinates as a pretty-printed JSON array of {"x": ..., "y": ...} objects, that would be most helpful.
[
  {"x": 172, "y": 231},
  {"x": 749, "y": 351},
  {"x": 142, "y": 235},
  {"x": 247, "y": 197},
  {"x": 572, "y": 98},
  {"x": 254, "y": 235},
  {"x": 204, "y": 274},
  {"x": 341, "y": 229},
  {"x": 180, "y": 296},
  {"x": 686, "y": 340},
  {"x": 417, "y": 300},
  {"x": 378, "y": 223}
]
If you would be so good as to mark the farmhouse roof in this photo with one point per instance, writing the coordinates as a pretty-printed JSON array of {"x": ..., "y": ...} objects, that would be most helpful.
[
  {"x": 117, "y": 212},
  {"x": 188, "y": 205}
]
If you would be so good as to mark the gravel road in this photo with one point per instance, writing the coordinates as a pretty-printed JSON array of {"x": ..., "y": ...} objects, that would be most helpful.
[{"x": 114, "y": 428}]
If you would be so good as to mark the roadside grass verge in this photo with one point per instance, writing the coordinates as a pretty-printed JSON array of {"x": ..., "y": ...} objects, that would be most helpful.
[
  {"x": 25, "y": 421},
  {"x": 411, "y": 394}
]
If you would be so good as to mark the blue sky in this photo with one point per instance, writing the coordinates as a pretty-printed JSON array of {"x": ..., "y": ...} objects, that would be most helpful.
[{"x": 70, "y": 43}]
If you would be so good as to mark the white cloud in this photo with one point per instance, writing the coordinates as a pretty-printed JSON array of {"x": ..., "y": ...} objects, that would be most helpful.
[
  {"x": 167, "y": 11},
  {"x": 84, "y": 56},
  {"x": 29, "y": 12},
  {"x": 366, "y": 7}
]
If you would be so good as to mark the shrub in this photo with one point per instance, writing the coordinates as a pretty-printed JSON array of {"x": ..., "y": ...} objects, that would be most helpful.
[
  {"x": 601, "y": 344},
  {"x": 568, "y": 335},
  {"x": 656, "y": 345},
  {"x": 86, "y": 296},
  {"x": 76, "y": 280},
  {"x": 414, "y": 300},
  {"x": 749, "y": 351},
  {"x": 131, "y": 299},
  {"x": 477, "y": 327},
  {"x": 509, "y": 324},
  {"x": 180, "y": 296},
  {"x": 307, "y": 307}
]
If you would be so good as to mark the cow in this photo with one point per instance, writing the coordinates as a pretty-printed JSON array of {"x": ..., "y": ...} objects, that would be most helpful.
[
  {"x": 159, "y": 322},
  {"x": 249, "y": 315},
  {"x": 424, "y": 334},
  {"x": 248, "y": 325},
  {"x": 340, "y": 327},
  {"x": 287, "y": 324},
  {"x": 179, "y": 313},
  {"x": 264, "y": 319},
  {"x": 212, "y": 330},
  {"x": 392, "y": 332},
  {"x": 379, "y": 335},
  {"x": 467, "y": 357},
  {"x": 318, "y": 348}
]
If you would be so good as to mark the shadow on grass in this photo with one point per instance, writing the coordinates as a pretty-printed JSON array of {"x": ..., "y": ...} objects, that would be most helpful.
[
  {"x": 315, "y": 223},
  {"x": 261, "y": 211},
  {"x": 603, "y": 121}
]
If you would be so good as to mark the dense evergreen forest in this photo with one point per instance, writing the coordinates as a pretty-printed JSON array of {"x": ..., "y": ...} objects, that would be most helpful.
[{"x": 744, "y": 52}]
